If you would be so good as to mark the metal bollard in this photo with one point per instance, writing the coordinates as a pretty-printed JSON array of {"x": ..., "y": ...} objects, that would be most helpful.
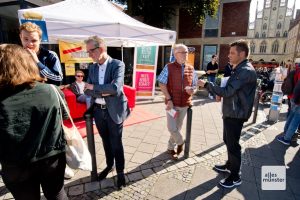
[
  {"x": 256, "y": 102},
  {"x": 91, "y": 144},
  {"x": 188, "y": 132}
]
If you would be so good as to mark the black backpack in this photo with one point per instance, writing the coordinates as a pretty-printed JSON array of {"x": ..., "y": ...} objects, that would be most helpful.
[{"x": 288, "y": 84}]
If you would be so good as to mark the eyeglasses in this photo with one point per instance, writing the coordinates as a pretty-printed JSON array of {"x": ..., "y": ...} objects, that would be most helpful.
[
  {"x": 79, "y": 75},
  {"x": 92, "y": 50},
  {"x": 183, "y": 52}
]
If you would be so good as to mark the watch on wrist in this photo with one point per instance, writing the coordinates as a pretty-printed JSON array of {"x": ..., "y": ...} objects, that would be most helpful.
[{"x": 170, "y": 99}]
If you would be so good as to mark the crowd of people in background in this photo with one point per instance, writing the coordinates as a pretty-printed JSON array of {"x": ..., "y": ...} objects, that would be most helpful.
[{"x": 32, "y": 144}]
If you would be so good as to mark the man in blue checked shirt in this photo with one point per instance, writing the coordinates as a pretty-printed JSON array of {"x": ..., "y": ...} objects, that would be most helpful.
[{"x": 177, "y": 81}]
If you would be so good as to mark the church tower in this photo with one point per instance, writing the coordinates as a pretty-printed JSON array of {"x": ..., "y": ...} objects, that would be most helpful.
[{"x": 268, "y": 33}]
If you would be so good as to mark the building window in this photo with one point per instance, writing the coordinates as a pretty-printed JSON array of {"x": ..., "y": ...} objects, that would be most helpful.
[
  {"x": 263, "y": 35},
  {"x": 252, "y": 47},
  {"x": 279, "y": 25},
  {"x": 278, "y": 34},
  {"x": 211, "y": 32},
  {"x": 211, "y": 25},
  {"x": 275, "y": 47},
  {"x": 285, "y": 34},
  {"x": 268, "y": 4},
  {"x": 284, "y": 48},
  {"x": 259, "y": 14},
  {"x": 256, "y": 35},
  {"x": 298, "y": 47},
  {"x": 263, "y": 47},
  {"x": 208, "y": 51},
  {"x": 282, "y": 2},
  {"x": 264, "y": 26},
  {"x": 289, "y": 12}
]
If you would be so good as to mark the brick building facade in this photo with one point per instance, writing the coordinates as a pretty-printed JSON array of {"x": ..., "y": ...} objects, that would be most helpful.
[{"x": 214, "y": 36}]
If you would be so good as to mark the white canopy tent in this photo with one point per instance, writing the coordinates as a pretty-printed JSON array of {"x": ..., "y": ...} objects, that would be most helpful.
[{"x": 73, "y": 20}]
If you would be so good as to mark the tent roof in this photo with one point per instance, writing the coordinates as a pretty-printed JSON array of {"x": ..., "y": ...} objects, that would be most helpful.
[{"x": 78, "y": 19}]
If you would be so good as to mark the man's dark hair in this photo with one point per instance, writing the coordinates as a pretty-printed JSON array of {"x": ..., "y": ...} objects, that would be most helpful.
[
  {"x": 241, "y": 45},
  {"x": 213, "y": 56}
]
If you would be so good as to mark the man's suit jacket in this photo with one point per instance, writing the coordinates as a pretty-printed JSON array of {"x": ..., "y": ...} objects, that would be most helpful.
[{"x": 116, "y": 101}]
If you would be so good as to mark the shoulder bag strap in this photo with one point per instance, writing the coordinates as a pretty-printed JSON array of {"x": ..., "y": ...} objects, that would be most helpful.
[{"x": 61, "y": 101}]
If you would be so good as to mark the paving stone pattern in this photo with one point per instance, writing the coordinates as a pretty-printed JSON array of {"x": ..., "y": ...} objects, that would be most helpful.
[{"x": 152, "y": 174}]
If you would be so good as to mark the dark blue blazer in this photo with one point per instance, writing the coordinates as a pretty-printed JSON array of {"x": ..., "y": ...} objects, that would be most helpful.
[{"x": 116, "y": 102}]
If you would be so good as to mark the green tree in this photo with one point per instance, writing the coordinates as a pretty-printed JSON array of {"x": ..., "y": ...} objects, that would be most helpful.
[{"x": 158, "y": 12}]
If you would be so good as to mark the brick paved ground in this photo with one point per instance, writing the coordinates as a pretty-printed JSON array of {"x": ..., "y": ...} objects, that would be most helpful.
[{"x": 151, "y": 174}]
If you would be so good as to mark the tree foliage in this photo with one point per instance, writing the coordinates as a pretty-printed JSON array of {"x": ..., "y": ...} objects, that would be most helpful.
[{"x": 158, "y": 12}]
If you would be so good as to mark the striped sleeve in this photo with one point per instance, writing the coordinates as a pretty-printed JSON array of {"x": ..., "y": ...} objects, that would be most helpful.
[{"x": 56, "y": 73}]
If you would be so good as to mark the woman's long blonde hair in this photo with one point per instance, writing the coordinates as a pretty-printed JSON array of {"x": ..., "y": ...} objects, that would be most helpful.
[{"x": 17, "y": 67}]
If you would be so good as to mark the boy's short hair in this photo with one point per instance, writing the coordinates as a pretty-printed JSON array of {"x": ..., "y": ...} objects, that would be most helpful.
[{"x": 31, "y": 27}]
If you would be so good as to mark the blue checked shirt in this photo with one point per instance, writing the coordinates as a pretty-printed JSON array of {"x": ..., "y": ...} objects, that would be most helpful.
[{"x": 163, "y": 77}]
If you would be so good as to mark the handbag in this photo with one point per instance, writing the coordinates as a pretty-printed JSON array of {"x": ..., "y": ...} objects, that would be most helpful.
[{"x": 77, "y": 152}]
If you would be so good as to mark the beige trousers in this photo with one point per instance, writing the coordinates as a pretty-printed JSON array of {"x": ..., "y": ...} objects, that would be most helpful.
[{"x": 174, "y": 127}]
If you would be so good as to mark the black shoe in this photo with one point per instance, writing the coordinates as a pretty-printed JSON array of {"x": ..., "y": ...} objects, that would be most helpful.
[
  {"x": 230, "y": 182},
  {"x": 121, "y": 181},
  {"x": 104, "y": 173},
  {"x": 222, "y": 168}
]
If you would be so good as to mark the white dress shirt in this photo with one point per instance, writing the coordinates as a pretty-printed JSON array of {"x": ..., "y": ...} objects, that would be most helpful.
[{"x": 102, "y": 69}]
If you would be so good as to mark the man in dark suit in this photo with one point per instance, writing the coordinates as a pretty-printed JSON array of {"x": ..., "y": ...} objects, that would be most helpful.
[{"x": 110, "y": 108}]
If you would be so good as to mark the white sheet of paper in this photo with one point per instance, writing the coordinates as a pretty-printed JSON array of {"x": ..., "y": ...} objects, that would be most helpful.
[{"x": 224, "y": 81}]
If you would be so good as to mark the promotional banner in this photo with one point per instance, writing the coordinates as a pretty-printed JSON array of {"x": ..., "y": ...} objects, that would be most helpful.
[
  {"x": 191, "y": 56},
  {"x": 144, "y": 73},
  {"x": 73, "y": 52},
  {"x": 70, "y": 69},
  {"x": 144, "y": 82}
]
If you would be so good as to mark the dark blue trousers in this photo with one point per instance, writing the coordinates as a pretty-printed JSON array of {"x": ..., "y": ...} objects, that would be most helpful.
[
  {"x": 111, "y": 134},
  {"x": 232, "y": 129}
]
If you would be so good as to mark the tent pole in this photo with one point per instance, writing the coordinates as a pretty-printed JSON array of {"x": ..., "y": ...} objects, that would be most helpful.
[{"x": 122, "y": 53}]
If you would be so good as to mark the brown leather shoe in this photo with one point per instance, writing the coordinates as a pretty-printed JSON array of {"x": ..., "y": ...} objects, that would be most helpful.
[
  {"x": 173, "y": 154},
  {"x": 180, "y": 148}
]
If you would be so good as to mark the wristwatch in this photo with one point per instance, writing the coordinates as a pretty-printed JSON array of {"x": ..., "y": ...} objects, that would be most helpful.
[{"x": 169, "y": 99}]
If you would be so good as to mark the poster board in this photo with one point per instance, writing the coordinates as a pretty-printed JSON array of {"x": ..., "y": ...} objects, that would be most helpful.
[
  {"x": 144, "y": 72},
  {"x": 70, "y": 69},
  {"x": 73, "y": 52}
]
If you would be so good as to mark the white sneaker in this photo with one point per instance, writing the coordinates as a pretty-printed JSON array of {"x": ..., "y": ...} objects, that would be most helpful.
[
  {"x": 210, "y": 96},
  {"x": 68, "y": 172}
]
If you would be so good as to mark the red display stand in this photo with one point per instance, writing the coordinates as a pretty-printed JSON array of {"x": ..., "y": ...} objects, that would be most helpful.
[{"x": 77, "y": 109}]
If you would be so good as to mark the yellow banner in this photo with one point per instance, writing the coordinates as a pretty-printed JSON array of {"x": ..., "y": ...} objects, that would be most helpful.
[
  {"x": 191, "y": 58},
  {"x": 70, "y": 69},
  {"x": 73, "y": 52}
]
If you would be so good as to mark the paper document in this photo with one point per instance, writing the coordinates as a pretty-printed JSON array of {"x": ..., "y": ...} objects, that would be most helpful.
[{"x": 172, "y": 112}]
